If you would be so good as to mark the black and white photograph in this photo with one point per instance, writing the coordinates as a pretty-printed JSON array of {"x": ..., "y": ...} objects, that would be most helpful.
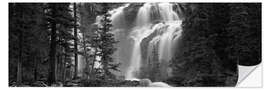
[{"x": 133, "y": 44}]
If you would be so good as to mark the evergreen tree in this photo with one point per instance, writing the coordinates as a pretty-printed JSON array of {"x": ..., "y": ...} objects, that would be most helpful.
[
  {"x": 60, "y": 24},
  {"x": 87, "y": 17},
  {"x": 26, "y": 28},
  {"x": 216, "y": 37},
  {"x": 75, "y": 40},
  {"x": 104, "y": 42}
]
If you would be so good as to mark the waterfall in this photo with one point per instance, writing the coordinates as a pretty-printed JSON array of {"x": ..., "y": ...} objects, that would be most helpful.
[{"x": 160, "y": 25}]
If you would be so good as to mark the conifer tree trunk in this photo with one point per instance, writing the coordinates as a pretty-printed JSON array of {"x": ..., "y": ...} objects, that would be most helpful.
[
  {"x": 75, "y": 42},
  {"x": 64, "y": 69},
  {"x": 19, "y": 63},
  {"x": 60, "y": 66},
  {"x": 35, "y": 67},
  {"x": 52, "y": 60},
  {"x": 85, "y": 57}
]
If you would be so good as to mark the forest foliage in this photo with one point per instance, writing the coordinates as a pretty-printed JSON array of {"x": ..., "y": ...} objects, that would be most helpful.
[
  {"x": 43, "y": 42},
  {"x": 216, "y": 38}
]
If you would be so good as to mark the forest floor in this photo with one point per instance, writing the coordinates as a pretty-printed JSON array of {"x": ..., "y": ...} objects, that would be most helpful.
[{"x": 79, "y": 83}]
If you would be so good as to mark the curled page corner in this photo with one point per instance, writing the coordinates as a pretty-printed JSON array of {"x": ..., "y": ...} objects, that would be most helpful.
[{"x": 249, "y": 76}]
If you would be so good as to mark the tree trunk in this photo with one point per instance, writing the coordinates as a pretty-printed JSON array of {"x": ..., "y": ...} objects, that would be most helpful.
[
  {"x": 64, "y": 69},
  {"x": 92, "y": 73},
  {"x": 60, "y": 66},
  {"x": 75, "y": 42},
  {"x": 87, "y": 65},
  {"x": 19, "y": 63},
  {"x": 52, "y": 60},
  {"x": 57, "y": 66},
  {"x": 35, "y": 67}
]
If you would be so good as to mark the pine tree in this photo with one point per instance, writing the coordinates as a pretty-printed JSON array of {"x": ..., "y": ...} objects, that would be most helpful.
[
  {"x": 26, "y": 29},
  {"x": 75, "y": 40},
  {"x": 60, "y": 24},
  {"x": 104, "y": 42},
  {"x": 87, "y": 17},
  {"x": 52, "y": 60},
  {"x": 196, "y": 61}
]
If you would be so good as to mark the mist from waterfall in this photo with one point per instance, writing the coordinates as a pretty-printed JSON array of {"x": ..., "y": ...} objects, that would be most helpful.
[{"x": 158, "y": 20}]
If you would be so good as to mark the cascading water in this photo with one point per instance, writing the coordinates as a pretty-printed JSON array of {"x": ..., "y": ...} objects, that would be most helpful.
[{"x": 160, "y": 25}]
